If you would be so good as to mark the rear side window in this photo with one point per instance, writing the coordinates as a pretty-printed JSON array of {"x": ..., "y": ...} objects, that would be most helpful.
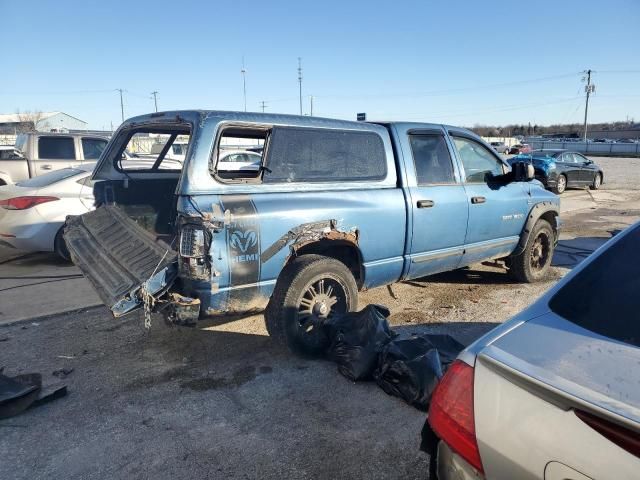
[
  {"x": 605, "y": 297},
  {"x": 432, "y": 159},
  {"x": 319, "y": 155},
  {"x": 92, "y": 148},
  {"x": 56, "y": 148}
]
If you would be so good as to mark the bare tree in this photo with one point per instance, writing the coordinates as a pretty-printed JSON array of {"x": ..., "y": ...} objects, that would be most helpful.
[{"x": 29, "y": 120}]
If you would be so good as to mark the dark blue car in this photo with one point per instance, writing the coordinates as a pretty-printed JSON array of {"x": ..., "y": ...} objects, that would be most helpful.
[{"x": 561, "y": 169}]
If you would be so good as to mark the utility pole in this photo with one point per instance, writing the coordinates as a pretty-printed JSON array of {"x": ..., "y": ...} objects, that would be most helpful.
[
  {"x": 300, "y": 81},
  {"x": 589, "y": 89},
  {"x": 311, "y": 105},
  {"x": 155, "y": 99},
  {"x": 121, "y": 103},
  {"x": 244, "y": 84},
  {"x": 263, "y": 104}
]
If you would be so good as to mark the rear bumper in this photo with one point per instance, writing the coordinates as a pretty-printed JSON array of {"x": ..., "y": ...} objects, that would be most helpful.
[
  {"x": 28, "y": 232},
  {"x": 451, "y": 466}
]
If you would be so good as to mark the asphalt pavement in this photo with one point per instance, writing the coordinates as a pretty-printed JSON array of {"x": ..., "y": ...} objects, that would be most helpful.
[{"x": 225, "y": 401}]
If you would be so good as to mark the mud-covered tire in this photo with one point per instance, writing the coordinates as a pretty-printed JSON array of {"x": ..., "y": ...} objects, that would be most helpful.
[
  {"x": 561, "y": 184},
  {"x": 597, "y": 182},
  {"x": 60, "y": 247},
  {"x": 287, "y": 318},
  {"x": 532, "y": 265}
]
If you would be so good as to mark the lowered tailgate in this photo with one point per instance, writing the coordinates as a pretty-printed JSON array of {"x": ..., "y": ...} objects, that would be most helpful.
[{"x": 118, "y": 256}]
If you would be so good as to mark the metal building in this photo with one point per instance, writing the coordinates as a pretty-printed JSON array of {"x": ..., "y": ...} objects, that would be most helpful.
[{"x": 13, "y": 123}]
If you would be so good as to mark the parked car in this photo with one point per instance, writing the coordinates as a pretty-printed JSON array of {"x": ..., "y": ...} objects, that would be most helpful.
[
  {"x": 562, "y": 169},
  {"x": 239, "y": 160},
  {"x": 552, "y": 393},
  {"x": 32, "y": 212},
  {"x": 335, "y": 207},
  {"x": 500, "y": 147},
  {"x": 39, "y": 153},
  {"x": 9, "y": 152},
  {"x": 176, "y": 151},
  {"x": 520, "y": 148}
]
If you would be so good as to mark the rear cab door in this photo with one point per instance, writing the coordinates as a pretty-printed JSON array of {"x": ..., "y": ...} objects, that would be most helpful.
[
  {"x": 54, "y": 152},
  {"x": 588, "y": 169},
  {"x": 437, "y": 202},
  {"x": 569, "y": 166},
  {"x": 497, "y": 208}
]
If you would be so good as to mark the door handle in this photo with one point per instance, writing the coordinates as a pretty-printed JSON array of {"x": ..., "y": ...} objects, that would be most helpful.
[
  {"x": 476, "y": 200},
  {"x": 425, "y": 203},
  {"x": 46, "y": 167}
]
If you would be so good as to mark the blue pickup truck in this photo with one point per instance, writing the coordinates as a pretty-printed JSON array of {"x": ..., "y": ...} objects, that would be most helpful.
[{"x": 312, "y": 212}]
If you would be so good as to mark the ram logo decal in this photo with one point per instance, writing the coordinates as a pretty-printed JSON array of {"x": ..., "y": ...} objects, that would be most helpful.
[{"x": 243, "y": 241}]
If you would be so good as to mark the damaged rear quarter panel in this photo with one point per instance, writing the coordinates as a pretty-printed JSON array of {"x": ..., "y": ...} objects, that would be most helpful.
[{"x": 257, "y": 233}]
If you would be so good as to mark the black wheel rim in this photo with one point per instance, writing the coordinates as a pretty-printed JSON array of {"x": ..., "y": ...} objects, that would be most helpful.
[
  {"x": 322, "y": 298},
  {"x": 540, "y": 252}
]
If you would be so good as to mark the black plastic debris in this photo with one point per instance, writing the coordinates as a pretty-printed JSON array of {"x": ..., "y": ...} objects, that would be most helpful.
[
  {"x": 21, "y": 392},
  {"x": 356, "y": 340},
  {"x": 411, "y": 368}
]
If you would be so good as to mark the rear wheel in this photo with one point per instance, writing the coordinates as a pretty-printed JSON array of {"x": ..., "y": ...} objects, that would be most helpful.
[
  {"x": 597, "y": 182},
  {"x": 60, "y": 247},
  {"x": 532, "y": 265},
  {"x": 561, "y": 184},
  {"x": 310, "y": 290}
]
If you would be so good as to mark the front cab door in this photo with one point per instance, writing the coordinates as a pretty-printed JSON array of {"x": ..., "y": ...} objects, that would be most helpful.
[
  {"x": 497, "y": 209},
  {"x": 439, "y": 207}
]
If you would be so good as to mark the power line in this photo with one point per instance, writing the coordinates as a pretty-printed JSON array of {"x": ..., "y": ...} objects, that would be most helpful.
[
  {"x": 263, "y": 104},
  {"x": 155, "y": 98}
]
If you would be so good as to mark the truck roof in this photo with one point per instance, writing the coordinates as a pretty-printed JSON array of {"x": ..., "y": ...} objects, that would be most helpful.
[{"x": 279, "y": 119}]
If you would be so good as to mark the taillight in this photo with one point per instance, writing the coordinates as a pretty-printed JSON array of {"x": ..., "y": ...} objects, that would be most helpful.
[
  {"x": 623, "y": 437},
  {"x": 451, "y": 413},
  {"x": 22, "y": 203}
]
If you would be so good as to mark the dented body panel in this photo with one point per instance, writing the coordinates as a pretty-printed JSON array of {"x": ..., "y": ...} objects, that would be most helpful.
[{"x": 231, "y": 240}]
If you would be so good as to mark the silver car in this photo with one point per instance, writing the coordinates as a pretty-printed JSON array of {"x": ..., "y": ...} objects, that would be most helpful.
[{"x": 554, "y": 393}]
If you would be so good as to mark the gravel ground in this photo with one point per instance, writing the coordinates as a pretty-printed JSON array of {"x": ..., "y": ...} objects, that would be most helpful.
[{"x": 224, "y": 401}]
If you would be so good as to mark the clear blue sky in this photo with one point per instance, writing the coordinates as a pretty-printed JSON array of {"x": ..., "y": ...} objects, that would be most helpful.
[{"x": 465, "y": 62}]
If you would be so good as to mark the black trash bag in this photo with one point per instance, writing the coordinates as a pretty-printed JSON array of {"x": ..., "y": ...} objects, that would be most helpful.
[
  {"x": 411, "y": 368},
  {"x": 356, "y": 340}
]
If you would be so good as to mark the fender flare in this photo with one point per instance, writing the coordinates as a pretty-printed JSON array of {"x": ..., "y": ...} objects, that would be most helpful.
[
  {"x": 547, "y": 209},
  {"x": 6, "y": 178}
]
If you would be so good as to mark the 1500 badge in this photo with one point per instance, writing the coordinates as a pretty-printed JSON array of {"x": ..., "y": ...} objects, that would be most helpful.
[{"x": 513, "y": 216}]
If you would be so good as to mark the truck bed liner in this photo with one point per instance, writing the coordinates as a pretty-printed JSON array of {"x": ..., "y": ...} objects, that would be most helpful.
[{"x": 116, "y": 254}]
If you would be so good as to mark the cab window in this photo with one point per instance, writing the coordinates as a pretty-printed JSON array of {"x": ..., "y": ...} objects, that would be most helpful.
[
  {"x": 56, "y": 148},
  {"x": 480, "y": 165},
  {"x": 432, "y": 160},
  {"x": 92, "y": 148}
]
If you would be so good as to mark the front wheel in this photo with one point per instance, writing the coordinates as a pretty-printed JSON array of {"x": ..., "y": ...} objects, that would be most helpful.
[
  {"x": 310, "y": 290},
  {"x": 532, "y": 265},
  {"x": 597, "y": 181}
]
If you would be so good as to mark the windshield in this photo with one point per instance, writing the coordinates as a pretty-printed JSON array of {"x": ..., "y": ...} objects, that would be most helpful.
[
  {"x": 604, "y": 297},
  {"x": 50, "y": 178}
]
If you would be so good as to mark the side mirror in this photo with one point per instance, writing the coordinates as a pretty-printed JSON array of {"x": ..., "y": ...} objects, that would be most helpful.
[{"x": 522, "y": 171}]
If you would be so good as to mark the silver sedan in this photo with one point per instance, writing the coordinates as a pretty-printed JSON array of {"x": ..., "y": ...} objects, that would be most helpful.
[{"x": 554, "y": 393}]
